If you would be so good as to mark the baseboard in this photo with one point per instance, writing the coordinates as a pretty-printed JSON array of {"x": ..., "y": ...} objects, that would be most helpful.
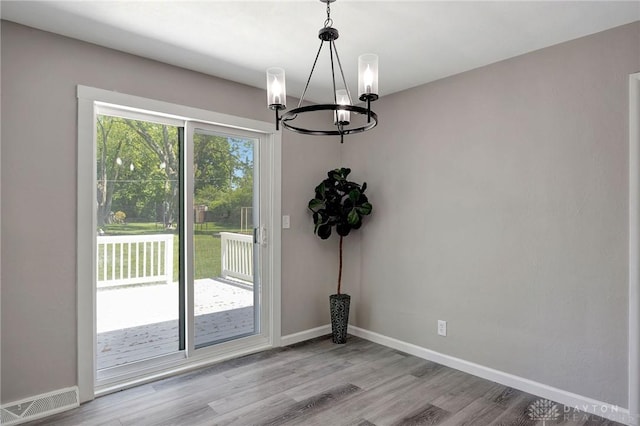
[
  {"x": 44, "y": 405},
  {"x": 301, "y": 336},
  {"x": 39, "y": 406},
  {"x": 568, "y": 399}
]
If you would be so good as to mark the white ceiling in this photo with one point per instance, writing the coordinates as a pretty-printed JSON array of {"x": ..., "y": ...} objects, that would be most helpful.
[{"x": 417, "y": 41}]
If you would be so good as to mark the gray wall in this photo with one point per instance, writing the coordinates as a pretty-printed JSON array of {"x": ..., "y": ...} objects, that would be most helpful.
[
  {"x": 501, "y": 205},
  {"x": 40, "y": 72},
  {"x": 500, "y": 200}
]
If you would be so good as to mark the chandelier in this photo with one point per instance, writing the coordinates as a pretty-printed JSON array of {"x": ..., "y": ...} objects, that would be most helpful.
[{"x": 346, "y": 118}]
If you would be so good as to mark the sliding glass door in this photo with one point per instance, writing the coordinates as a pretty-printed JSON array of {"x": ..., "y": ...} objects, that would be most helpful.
[
  {"x": 178, "y": 248},
  {"x": 225, "y": 211},
  {"x": 177, "y": 264},
  {"x": 138, "y": 174}
]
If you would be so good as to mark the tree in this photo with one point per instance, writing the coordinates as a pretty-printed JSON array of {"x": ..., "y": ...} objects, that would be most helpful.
[
  {"x": 223, "y": 169},
  {"x": 108, "y": 168},
  {"x": 162, "y": 140},
  {"x": 137, "y": 168},
  {"x": 339, "y": 203},
  {"x": 138, "y": 171},
  {"x": 214, "y": 162}
]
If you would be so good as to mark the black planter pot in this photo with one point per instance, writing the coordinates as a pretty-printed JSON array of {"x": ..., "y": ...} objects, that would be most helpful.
[{"x": 339, "y": 307}]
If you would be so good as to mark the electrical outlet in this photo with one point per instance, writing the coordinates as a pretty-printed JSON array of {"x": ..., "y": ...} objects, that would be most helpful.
[
  {"x": 442, "y": 328},
  {"x": 286, "y": 222}
]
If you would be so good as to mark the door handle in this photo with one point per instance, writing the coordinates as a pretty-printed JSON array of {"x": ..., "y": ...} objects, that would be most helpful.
[{"x": 260, "y": 235}]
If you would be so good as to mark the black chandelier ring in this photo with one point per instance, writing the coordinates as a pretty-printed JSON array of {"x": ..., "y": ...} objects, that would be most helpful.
[
  {"x": 372, "y": 119},
  {"x": 342, "y": 102}
]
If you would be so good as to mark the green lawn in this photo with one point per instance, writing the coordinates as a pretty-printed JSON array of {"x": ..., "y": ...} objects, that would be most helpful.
[
  {"x": 206, "y": 255},
  {"x": 206, "y": 245}
]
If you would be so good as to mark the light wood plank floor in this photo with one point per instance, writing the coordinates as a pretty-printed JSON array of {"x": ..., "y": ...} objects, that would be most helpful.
[{"x": 318, "y": 383}]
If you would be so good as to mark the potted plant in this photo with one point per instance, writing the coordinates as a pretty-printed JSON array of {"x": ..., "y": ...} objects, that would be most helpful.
[{"x": 342, "y": 204}]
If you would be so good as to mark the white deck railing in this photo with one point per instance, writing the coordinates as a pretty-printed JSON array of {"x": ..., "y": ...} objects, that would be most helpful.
[
  {"x": 237, "y": 256},
  {"x": 134, "y": 259}
]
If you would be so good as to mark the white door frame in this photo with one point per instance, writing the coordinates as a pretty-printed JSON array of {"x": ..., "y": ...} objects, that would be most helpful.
[
  {"x": 634, "y": 248},
  {"x": 86, "y": 239}
]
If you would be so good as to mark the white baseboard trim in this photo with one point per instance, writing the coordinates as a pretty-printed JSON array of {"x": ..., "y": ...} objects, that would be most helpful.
[
  {"x": 39, "y": 406},
  {"x": 568, "y": 399},
  {"x": 301, "y": 336}
]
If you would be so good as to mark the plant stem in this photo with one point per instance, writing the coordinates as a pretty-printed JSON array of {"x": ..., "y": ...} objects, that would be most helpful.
[{"x": 340, "y": 268}]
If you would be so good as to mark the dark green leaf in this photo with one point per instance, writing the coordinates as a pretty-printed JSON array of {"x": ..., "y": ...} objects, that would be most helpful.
[
  {"x": 353, "y": 217},
  {"x": 315, "y": 204},
  {"x": 365, "y": 209},
  {"x": 343, "y": 229},
  {"x": 348, "y": 204},
  {"x": 324, "y": 231}
]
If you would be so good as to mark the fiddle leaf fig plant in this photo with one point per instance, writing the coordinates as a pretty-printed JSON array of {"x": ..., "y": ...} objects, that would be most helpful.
[{"x": 339, "y": 203}]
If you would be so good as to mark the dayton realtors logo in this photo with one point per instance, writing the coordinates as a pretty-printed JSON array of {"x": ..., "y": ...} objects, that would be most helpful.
[
  {"x": 549, "y": 411},
  {"x": 544, "y": 410}
]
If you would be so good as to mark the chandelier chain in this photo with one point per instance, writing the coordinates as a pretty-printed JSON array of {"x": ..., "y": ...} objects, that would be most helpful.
[{"x": 328, "y": 22}]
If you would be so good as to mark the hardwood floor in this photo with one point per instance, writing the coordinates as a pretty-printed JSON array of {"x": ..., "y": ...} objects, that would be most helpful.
[{"x": 319, "y": 383}]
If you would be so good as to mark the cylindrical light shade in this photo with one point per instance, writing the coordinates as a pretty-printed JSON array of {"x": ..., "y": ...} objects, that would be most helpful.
[
  {"x": 342, "y": 98},
  {"x": 276, "y": 89},
  {"x": 367, "y": 75}
]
